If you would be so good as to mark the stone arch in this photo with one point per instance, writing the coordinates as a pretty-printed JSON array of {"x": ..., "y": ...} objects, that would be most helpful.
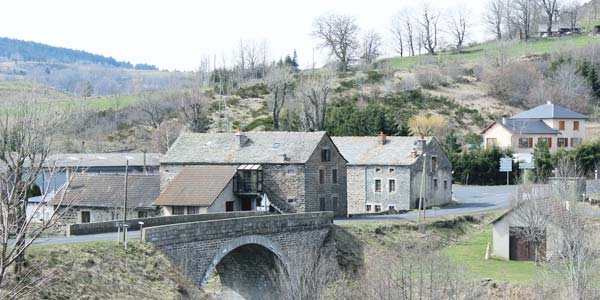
[{"x": 248, "y": 256}]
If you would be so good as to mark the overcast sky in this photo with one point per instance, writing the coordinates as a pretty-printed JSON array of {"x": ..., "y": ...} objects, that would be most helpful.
[{"x": 176, "y": 34}]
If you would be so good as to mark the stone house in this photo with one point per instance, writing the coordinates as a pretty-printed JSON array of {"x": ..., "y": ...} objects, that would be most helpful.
[
  {"x": 100, "y": 197},
  {"x": 285, "y": 171},
  {"x": 555, "y": 125},
  {"x": 385, "y": 173}
]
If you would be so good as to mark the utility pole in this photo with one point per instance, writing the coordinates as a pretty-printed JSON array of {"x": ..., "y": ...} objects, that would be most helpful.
[
  {"x": 125, "y": 202},
  {"x": 423, "y": 183}
]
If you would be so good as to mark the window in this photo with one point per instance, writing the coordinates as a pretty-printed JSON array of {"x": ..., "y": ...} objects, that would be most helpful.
[
  {"x": 433, "y": 164},
  {"x": 325, "y": 155},
  {"x": 291, "y": 200},
  {"x": 575, "y": 142},
  {"x": 178, "y": 210},
  {"x": 229, "y": 206},
  {"x": 114, "y": 216},
  {"x": 525, "y": 142},
  {"x": 377, "y": 170},
  {"x": 392, "y": 170},
  {"x": 392, "y": 185},
  {"x": 575, "y": 125},
  {"x": 193, "y": 210},
  {"x": 391, "y": 208},
  {"x": 322, "y": 204},
  {"x": 142, "y": 214},
  {"x": 321, "y": 176},
  {"x": 377, "y": 208},
  {"x": 377, "y": 185},
  {"x": 368, "y": 207},
  {"x": 335, "y": 202},
  {"x": 562, "y": 142},
  {"x": 445, "y": 184},
  {"x": 85, "y": 217},
  {"x": 334, "y": 176},
  {"x": 435, "y": 183},
  {"x": 291, "y": 171},
  {"x": 491, "y": 142},
  {"x": 547, "y": 140},
  {"x": 561, "y": 125}
]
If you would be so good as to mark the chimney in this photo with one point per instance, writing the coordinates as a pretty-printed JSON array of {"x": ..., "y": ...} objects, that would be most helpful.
[
  {"x": 503, "y": 120},
  {"x": 413, "y": 153},
  {"x": 382, "y": 138},
  {"x": 284, "y": 157},
  {"x": 242, "y": 136}
]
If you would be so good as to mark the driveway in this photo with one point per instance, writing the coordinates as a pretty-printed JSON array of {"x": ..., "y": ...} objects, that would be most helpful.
[{"x": 470, "y": 199}]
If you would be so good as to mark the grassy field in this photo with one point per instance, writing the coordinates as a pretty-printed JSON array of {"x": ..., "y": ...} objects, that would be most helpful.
[
  {"x": 515, "y": 49},
  {"x": 470, "y": 253}
]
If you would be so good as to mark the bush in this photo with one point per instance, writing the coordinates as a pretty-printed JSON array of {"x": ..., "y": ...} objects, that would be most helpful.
[
  {"x": 430, "y": 77},
  {"x": 253, "y": 91},
  {"x": 514, "y": 82},
  {"x": 481, "y": 167},
  {"x": 374, "y": 76}
]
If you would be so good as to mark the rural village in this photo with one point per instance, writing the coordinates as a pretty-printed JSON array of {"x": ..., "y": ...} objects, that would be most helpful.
[{"x": 452, "y": 154}]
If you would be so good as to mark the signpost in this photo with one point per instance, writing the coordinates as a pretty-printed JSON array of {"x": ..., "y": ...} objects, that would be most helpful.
[{"x": 506, "y": 166}]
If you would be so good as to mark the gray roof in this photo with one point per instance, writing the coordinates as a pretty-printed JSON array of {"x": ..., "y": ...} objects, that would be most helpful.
[
  {"x": 108, "y": 190},
  {"x": 260, "y": 148},
  {"x": 63, "y": 160},
  {"x": 366, "y": 150},
  {"x": 528, "y": 127},
  {"x": 549, "y": 111}
]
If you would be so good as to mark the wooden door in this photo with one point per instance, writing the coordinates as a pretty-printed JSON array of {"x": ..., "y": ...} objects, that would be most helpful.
[
  {"x": 246, "y": 203},
  {"x": 229, "y": 206},
  {"x": 521, "y": 250}
]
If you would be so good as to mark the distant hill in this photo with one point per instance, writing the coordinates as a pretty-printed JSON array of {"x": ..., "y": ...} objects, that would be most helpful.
[{"x": 14, "y": 49}]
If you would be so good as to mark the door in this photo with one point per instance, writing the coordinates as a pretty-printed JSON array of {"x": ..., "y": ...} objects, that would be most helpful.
[
  {"x": 322, "y": 204},
  {"x": 522, "y": 250},
  {"x": 246, "y": 203},
  {"x": 85, "y": 217}
]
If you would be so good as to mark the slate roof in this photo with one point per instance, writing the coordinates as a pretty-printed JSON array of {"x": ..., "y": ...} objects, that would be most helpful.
[
  {"x": 366, "y": 150},
  {"x": 85, "y": 160},
  {"x": 196, "y": 186},
  {"x": 107, "y": 190},
  {"x": 260, "y": 148},
  {"x": 528, "y": 126},
  {"x": 549, "y": 111}
]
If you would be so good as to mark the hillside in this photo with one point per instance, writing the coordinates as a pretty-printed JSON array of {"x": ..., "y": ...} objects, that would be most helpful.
[
  {"x": 19, "y": 50},
  {"x": 105, "y": 270}
]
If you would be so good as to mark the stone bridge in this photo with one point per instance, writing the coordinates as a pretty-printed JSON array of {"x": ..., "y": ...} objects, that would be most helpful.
[{"x": 251, "y": 255}]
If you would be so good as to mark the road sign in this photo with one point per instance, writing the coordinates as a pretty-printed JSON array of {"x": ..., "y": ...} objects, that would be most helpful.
[
  {"x": 526, "y": 165},
  {"x": 505, "y": 164},
  {"x": 121, "y": 225}
]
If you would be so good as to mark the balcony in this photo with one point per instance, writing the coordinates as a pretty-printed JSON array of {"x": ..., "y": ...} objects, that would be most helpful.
[{"x": 248, "y": 180}]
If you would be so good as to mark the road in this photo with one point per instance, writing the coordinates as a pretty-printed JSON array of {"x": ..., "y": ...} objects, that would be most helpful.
[
  {"x": 470, "y": 199},
  {"x": 85, "y": 238}
]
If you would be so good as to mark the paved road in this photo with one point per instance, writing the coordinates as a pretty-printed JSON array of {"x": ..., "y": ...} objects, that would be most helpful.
[
  {"x": 85, "y": 238},
  {"x": 470, "y": 199}
]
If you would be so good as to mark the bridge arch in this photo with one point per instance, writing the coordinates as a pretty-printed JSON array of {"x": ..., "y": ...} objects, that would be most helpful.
[{"x": 251, "y": 265}]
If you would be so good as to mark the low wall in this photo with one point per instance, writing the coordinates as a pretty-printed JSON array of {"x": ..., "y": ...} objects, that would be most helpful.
[
  {"x": 111, "y": 226},
  {"x": 235, "y": 227}
]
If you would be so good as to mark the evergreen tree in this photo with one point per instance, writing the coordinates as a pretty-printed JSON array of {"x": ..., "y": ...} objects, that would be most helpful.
[{"x": 543, "y": 161}]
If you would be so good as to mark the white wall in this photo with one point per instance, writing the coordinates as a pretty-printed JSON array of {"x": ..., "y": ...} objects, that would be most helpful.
[{"x": 501, "y": 240}]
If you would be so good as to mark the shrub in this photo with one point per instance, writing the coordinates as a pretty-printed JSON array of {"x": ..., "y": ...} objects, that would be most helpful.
[
  {"x": 374, "y": 76},
  {"x": 430, "y": 77},
  {"x": 253, "y": 91}
]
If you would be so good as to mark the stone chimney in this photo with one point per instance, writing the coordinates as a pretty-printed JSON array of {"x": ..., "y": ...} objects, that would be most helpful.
[
  {"x": 413, "y": 153},
  {"x": 242, "y": 136},
  {"x": 382, "y": 138}
]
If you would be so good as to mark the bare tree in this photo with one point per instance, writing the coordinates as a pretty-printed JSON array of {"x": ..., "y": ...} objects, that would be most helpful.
[
  {"x": 280, "y": 82},
  {"x": 429, "y": 29},
  {"x": 525, "y": 14},
  {"x": 192, "y": 111},
  {"x": 155, "y": 108},
  {"x": 458, "y": 24},
  {"x": 338, "y": 33},
  {"x": 566, "y": 87},
  {"x": 371, "y": 46},
  {"x": 397, "y": 29},
  {"x": 532, "y": 209},
  {"x": 165, "y": 135},
  {"x": 572, "y": 11},
  {"x": 550, "y": 7},
  {"x": 25, "y": 139},
  {"x": 315, "y": 89},
  {"x": 494, "y": 17},
  {"x": 404, "y": 22}
]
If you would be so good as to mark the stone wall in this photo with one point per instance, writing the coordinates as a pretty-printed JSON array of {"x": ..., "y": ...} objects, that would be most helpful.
[
  {"x": 316, "y": 192},
  {"x": 287, "y": 182},
  {"x": 398, "y": 199},
  {"x": 99, "y": 214},
  {"x": 357, "y": 196},
  {"x": 110, "y": 226},
  {"x": 199, "y": 247},
  {"x": 440, "y": 192}
]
